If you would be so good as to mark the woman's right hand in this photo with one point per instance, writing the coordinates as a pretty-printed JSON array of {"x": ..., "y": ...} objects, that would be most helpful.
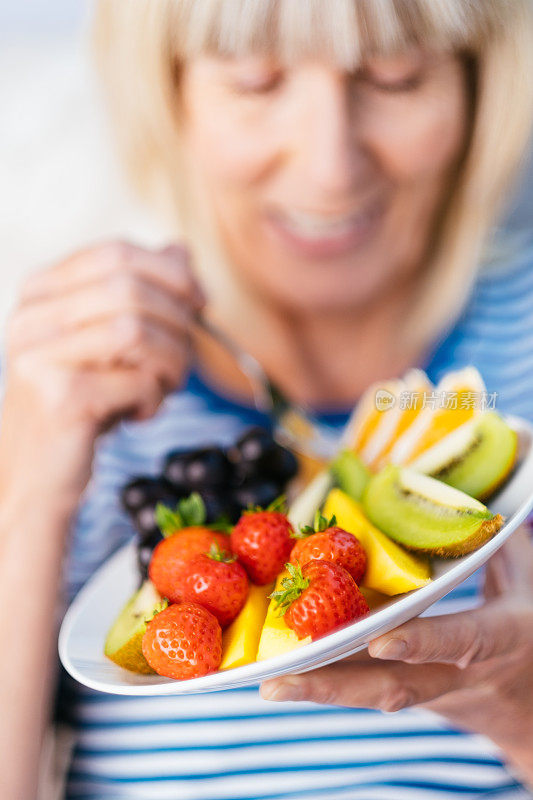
[{"x": 102, "y": 336}]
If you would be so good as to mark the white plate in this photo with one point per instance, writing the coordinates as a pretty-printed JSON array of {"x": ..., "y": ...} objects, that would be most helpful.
[{"x": 90, "y": 616}]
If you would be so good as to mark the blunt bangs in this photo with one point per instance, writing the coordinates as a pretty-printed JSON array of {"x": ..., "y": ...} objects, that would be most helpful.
[{"x": 341, "y": 31}]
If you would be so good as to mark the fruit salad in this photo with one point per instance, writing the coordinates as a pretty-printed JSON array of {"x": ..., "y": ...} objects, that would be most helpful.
[{"x": 230, "y": 575}]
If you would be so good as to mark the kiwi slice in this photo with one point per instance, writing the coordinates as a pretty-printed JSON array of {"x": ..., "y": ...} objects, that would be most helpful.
[
  {"x": 426, "y": 515},
  {"x": 476, "y": 458},
  {"x": 350, "y": 474},
  {"x": 123, "y": 643}
]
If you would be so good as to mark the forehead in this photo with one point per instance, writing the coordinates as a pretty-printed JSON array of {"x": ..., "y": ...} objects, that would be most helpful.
[{"x": 341, "y": 31}]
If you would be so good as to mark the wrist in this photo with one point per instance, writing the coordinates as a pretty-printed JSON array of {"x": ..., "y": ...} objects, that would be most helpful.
[
  {"x": 28, "y": 504},
  {"x": 50, "y": 471}
]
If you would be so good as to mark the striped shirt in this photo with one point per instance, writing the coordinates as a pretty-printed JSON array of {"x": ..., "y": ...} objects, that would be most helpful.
[{"x": 233, "y": 745}]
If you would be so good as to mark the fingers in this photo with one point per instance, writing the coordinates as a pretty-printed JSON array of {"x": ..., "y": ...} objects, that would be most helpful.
[
  {"x": 123, "y": 296},
  {"x": 169, "y": 268},
  {"x": 498, "y": 628},
  {"x": 459, "y": 639},
  {"x": 102, "y": 335},
  {"x": 127, "y": 342},
  {"x": 123, "y": 392},
  {"x": 388, "y": 687}
]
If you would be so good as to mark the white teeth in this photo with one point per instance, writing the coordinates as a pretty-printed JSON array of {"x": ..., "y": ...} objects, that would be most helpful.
[{"x": 318, "y": 227}]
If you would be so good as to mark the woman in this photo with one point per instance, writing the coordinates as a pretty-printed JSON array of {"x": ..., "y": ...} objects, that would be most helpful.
[{"x": 336, "y": 170}]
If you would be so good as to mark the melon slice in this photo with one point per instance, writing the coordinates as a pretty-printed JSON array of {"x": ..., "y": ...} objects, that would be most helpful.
[{"x": 123, "y": 643}]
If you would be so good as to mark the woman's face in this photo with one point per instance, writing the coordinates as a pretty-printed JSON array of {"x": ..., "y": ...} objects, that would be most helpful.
[{"x": 325, "y": 185}]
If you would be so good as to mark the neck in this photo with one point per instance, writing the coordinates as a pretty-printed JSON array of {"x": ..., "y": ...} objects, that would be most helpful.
[{"x": 324, "y": 360}]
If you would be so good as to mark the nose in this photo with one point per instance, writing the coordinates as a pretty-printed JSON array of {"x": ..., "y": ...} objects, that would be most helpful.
[{"x": 331, "y": 152}]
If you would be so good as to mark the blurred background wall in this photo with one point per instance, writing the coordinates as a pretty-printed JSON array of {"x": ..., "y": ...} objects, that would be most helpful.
[
  {"x": 60, "y": 183},
  {"x": 24, "y": 18}
]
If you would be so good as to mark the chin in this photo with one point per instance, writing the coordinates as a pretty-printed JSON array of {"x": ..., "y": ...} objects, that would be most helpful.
[
  {"x": 326, "y": 286},
  {"x": 304, "y": 283},
  {"x": 304, "y": 295}
]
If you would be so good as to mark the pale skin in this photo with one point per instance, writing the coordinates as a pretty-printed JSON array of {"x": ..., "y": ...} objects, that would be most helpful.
[{"x": 326, "y": 218}]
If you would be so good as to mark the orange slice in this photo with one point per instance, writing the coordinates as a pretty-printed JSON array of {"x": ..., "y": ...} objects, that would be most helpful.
[
  {"x": 409, "y": 405},
  {"x": 455, "y": 400},
  {"x": 379, "y": 400}
]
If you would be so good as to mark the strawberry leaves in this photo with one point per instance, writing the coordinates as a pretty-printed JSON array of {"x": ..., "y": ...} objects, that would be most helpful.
[
  {"x": 278, "y": 505},
  {"x": 291, "y": 588},
  {"x": 223, "y": 556},
  {"x": 222, "y": 525},
  {"x": 320, "y": 523},
  {"x": 189, "y": 512}
]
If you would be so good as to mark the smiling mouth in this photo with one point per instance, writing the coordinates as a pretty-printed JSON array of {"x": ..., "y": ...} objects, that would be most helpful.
[{"x": 326, "y": 234}]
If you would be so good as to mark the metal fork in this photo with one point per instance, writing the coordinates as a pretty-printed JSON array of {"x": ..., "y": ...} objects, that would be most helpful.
[{"x": 321, "y": 440}]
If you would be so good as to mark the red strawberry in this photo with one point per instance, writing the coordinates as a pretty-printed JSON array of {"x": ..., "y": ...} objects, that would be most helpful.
[
  {"x": 183, "y": 641},
  {"x": 328, "y": 542},
  {"x": 168, "y": 566},
  {"x": 217, "y": 582},
  {"x": 262, "y": 542},
  {"x": 319, "y": 598}
]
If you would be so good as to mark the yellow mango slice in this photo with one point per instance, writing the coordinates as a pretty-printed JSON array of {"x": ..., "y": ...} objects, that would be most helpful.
[
  {"x": 240, "y": 640},
  {"x": 390, "y": 569},
  {"x": 276, "y": 636}
]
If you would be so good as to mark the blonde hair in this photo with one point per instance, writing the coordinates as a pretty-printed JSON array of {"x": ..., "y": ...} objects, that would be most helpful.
[{"x": 141, "y": 43}]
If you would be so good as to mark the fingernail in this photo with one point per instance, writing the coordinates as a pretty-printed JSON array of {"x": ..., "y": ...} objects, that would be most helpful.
[
  {"x": 284, "y": 690},
  {"x": 392, "y": 649}
]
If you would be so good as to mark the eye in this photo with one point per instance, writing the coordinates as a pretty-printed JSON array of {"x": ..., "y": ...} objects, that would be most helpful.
[
  {"x": 264, "y": 83},
  {"x": 409, "y": 83},
  {"x": 395, "y": 75},
  {"x": 254, "y": 75}
]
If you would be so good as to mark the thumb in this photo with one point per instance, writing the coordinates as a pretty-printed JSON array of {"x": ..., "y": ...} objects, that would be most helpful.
[{"x": 459, "y": 639}]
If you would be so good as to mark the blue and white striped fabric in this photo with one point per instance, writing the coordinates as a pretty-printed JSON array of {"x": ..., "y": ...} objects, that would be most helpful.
[{"x": 233, "y": 745}]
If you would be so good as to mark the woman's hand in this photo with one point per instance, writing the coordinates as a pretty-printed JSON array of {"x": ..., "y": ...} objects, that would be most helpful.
[
  {"x": 473, "y": 667},
  {"x": 101, "y": 336}
]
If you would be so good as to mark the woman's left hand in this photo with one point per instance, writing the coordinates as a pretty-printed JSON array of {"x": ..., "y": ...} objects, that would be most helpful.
[{"x": 474, "y": 667}]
